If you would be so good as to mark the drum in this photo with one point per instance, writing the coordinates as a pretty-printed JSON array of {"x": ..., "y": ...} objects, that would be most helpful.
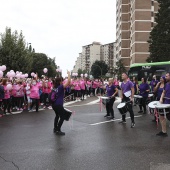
[
  {"x": 105, "y": 100},
  {"x": 122, "y": 108},
  {"x": 150, "y": 98},
  {"x": 164, "y": 109},
  {"x": 137, "y": 99},
  {"x": 67, "y": 114},
  {"x": 152, "y": 106}
]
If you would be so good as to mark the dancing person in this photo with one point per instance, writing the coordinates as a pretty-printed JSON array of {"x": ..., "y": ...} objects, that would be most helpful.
[
  {"x": 111, "y": 92},
  {"x": 127, "y": 89},
  {"x": 144, "y": 91},
  {"x": 165, "y": 99},
  {"x": 57, "y": 106}
]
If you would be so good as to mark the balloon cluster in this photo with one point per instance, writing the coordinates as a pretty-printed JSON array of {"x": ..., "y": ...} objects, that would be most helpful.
[
  {"x": 11, "y": 73},
  {"x": 82, "y": 75},
  {"x": 58, "y": 70}
]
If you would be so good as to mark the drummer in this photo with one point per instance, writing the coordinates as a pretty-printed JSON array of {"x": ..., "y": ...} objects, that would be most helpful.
[
  {"x": 144, "y": 91},
  {"x": 158, "y": 91},
  {"x": 127, "y": 89},
  {"x": 111, "y": 92},
  {"x": 165, "y": 99}
]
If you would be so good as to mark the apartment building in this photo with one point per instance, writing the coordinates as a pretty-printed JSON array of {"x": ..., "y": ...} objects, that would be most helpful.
[
  {"x": 78, "y": 64},
  {"x": 90, "y": 53},
  {"x": 108, "y": 55},
  {"x": 134, "y": 22}
]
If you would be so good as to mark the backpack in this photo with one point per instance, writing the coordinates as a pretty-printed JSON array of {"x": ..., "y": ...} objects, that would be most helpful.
[
  {"x": 52, "y": 97},
  {"x": 2, "y": 93}
]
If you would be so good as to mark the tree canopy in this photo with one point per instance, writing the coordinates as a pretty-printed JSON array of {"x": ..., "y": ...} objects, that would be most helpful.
[
  {"x": 159, "y": 40},
  {"x": 120, "y": 68},
  {"x": 99, "y": 69},
  {"x": 18, "y": 56}
]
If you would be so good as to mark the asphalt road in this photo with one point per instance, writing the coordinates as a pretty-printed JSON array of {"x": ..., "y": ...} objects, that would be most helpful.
[{"x": 27, "y": 141}]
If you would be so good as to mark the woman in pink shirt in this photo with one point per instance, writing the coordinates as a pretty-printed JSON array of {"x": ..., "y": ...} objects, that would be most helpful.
[
  {"x": 20, "y": 95},
  {"x": 88, "y": 86},
  {"x": 34, "y": 95},
  {"x": 46, "y": 88},
  {"x": 95, "y": 85},
  {"x": 83, "y": 88},
  {"x": 77, "y": 89},
  {"x": 6, "y": 99}
]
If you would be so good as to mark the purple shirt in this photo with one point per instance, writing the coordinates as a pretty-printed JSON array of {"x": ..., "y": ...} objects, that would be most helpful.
[
  {"x": 153, "y": 83},
  {"x": 126, "y": 86},
  {"x": 143, "y": 87},
  {"x": 167, "y": 93},
  {"x": 110, "y": 90},
  {"x": 60, "y": 95}
]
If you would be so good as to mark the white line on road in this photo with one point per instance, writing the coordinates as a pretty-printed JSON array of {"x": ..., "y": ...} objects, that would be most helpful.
[{"x": 112, "y": 121}]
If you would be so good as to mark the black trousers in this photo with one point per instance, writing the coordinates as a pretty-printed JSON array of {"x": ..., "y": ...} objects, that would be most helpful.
[
  {"x": 129, "y": 105},
  {"x": 82, "y": 94},
  {"x": 59, "y": 118},
  {"x": 45, "y": 96},
  {"x": 7, "y": 105},
  {"x": 109, "y": 107},
  {"x": 20, "y": 101},
  {"x": 36, "y": 103},
  {"x": 143, "y": 104}
]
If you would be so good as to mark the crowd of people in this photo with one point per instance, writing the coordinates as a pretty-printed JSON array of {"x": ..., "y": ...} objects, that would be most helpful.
[{"x": 25, "y": 93}]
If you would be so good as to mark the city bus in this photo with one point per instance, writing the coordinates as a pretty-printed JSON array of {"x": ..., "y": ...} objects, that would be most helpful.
[{"x": 147, "y": 70}]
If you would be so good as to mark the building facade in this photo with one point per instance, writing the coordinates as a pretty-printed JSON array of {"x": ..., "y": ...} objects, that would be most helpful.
[
  {"x": 134, "y": 22},
  {"x": 108, "y": 55}
]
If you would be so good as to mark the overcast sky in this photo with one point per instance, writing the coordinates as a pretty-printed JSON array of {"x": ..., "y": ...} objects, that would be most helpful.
[{"x": 59, "y": 28}]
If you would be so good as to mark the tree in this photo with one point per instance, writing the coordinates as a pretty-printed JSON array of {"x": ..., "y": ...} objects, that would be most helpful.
[
  {"x": 120, "y": 68},
  {"x": 41, "y": 61},
  {"x": 159, "y": 40},
  {"x": 13, "y": 51},
  {"x": 99, "y": 68}
]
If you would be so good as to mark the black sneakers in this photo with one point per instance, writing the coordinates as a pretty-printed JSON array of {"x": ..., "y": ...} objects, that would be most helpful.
[
  {"x": 132, "y": 124},
  {"x": 140, "y": 111},
  {"x": 60, "y": 133},
  {"x": 122, "y": 121},
  {"x": 106, "y": 115},
  {"x": 162, "y": 134}
]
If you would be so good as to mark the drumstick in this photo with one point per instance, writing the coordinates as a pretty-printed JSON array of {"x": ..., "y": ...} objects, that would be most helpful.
[{"x": 167, "y": 98}]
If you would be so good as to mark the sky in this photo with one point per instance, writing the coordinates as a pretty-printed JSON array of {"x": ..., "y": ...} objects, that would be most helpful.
[{"x": 59, "y": 28}]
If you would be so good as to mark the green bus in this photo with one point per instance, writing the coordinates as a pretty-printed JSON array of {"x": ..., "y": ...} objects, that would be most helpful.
[{"x": 147, "y": 70}]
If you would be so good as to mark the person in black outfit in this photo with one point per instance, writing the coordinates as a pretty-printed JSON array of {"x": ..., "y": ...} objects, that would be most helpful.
[{"x": 57, "y": 106}]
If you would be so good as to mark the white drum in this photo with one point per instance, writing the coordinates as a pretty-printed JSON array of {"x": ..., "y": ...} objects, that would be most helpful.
[
  {"x": 122, "y": 108},
  {"x": 152, "y": 105},
  {"x": 138, "y": 99}
]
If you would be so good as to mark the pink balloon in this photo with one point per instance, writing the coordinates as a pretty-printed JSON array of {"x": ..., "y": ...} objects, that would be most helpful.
[
  {"x": 26, "y": 75},
  {"x": 1, "y": 74},
  {"x": 32, "y": 74},
  {"x": 18, "y": 75},
  {"x": 81, "y": 75},
  {"x": 22, "y": 76},
  {"x": 17, "y": 72},
  {"x": 35, "y": 75},
  {"x": 9, "y": 87},
  {"x": 56, "y": 70},
  {"x": 45, "y": 70},
  {"x": 12, "y": 74},
  {"x": 8, "y": 74},
  {"x": 85, "y": 75},
  {"x": 3, "y": 68}
]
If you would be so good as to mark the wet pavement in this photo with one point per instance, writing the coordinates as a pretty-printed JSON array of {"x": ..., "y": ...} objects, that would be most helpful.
[{"x": 92, "y": 142}]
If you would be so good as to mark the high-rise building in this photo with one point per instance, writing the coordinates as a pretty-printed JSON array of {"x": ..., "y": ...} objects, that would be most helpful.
[
  {"x": 78, "y": 64},
  {"x": 90, "y": 53},
  {"x": 108, "y": 55},
  {"x": 134, "y": 22}
]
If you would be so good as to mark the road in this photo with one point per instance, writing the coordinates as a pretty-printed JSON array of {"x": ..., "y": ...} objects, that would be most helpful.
[{"x": 92, "y": 142}]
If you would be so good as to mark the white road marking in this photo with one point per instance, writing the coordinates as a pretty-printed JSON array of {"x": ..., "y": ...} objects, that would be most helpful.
[{"x": 111, "y": 121}]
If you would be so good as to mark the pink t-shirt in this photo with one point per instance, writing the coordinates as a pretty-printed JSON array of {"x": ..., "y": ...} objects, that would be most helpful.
[
  {"x": 47, "y": 87},
  {"x": 14, "y": 90},
  {"x": 7, "y": 93},
  {"x": 19, "y": 90},
  {"x": 95, "y": 84},
  {"x": 34, "y": 91},
  {"x": 82, "y": 84},
  {"x": 77, "y": 85}
]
